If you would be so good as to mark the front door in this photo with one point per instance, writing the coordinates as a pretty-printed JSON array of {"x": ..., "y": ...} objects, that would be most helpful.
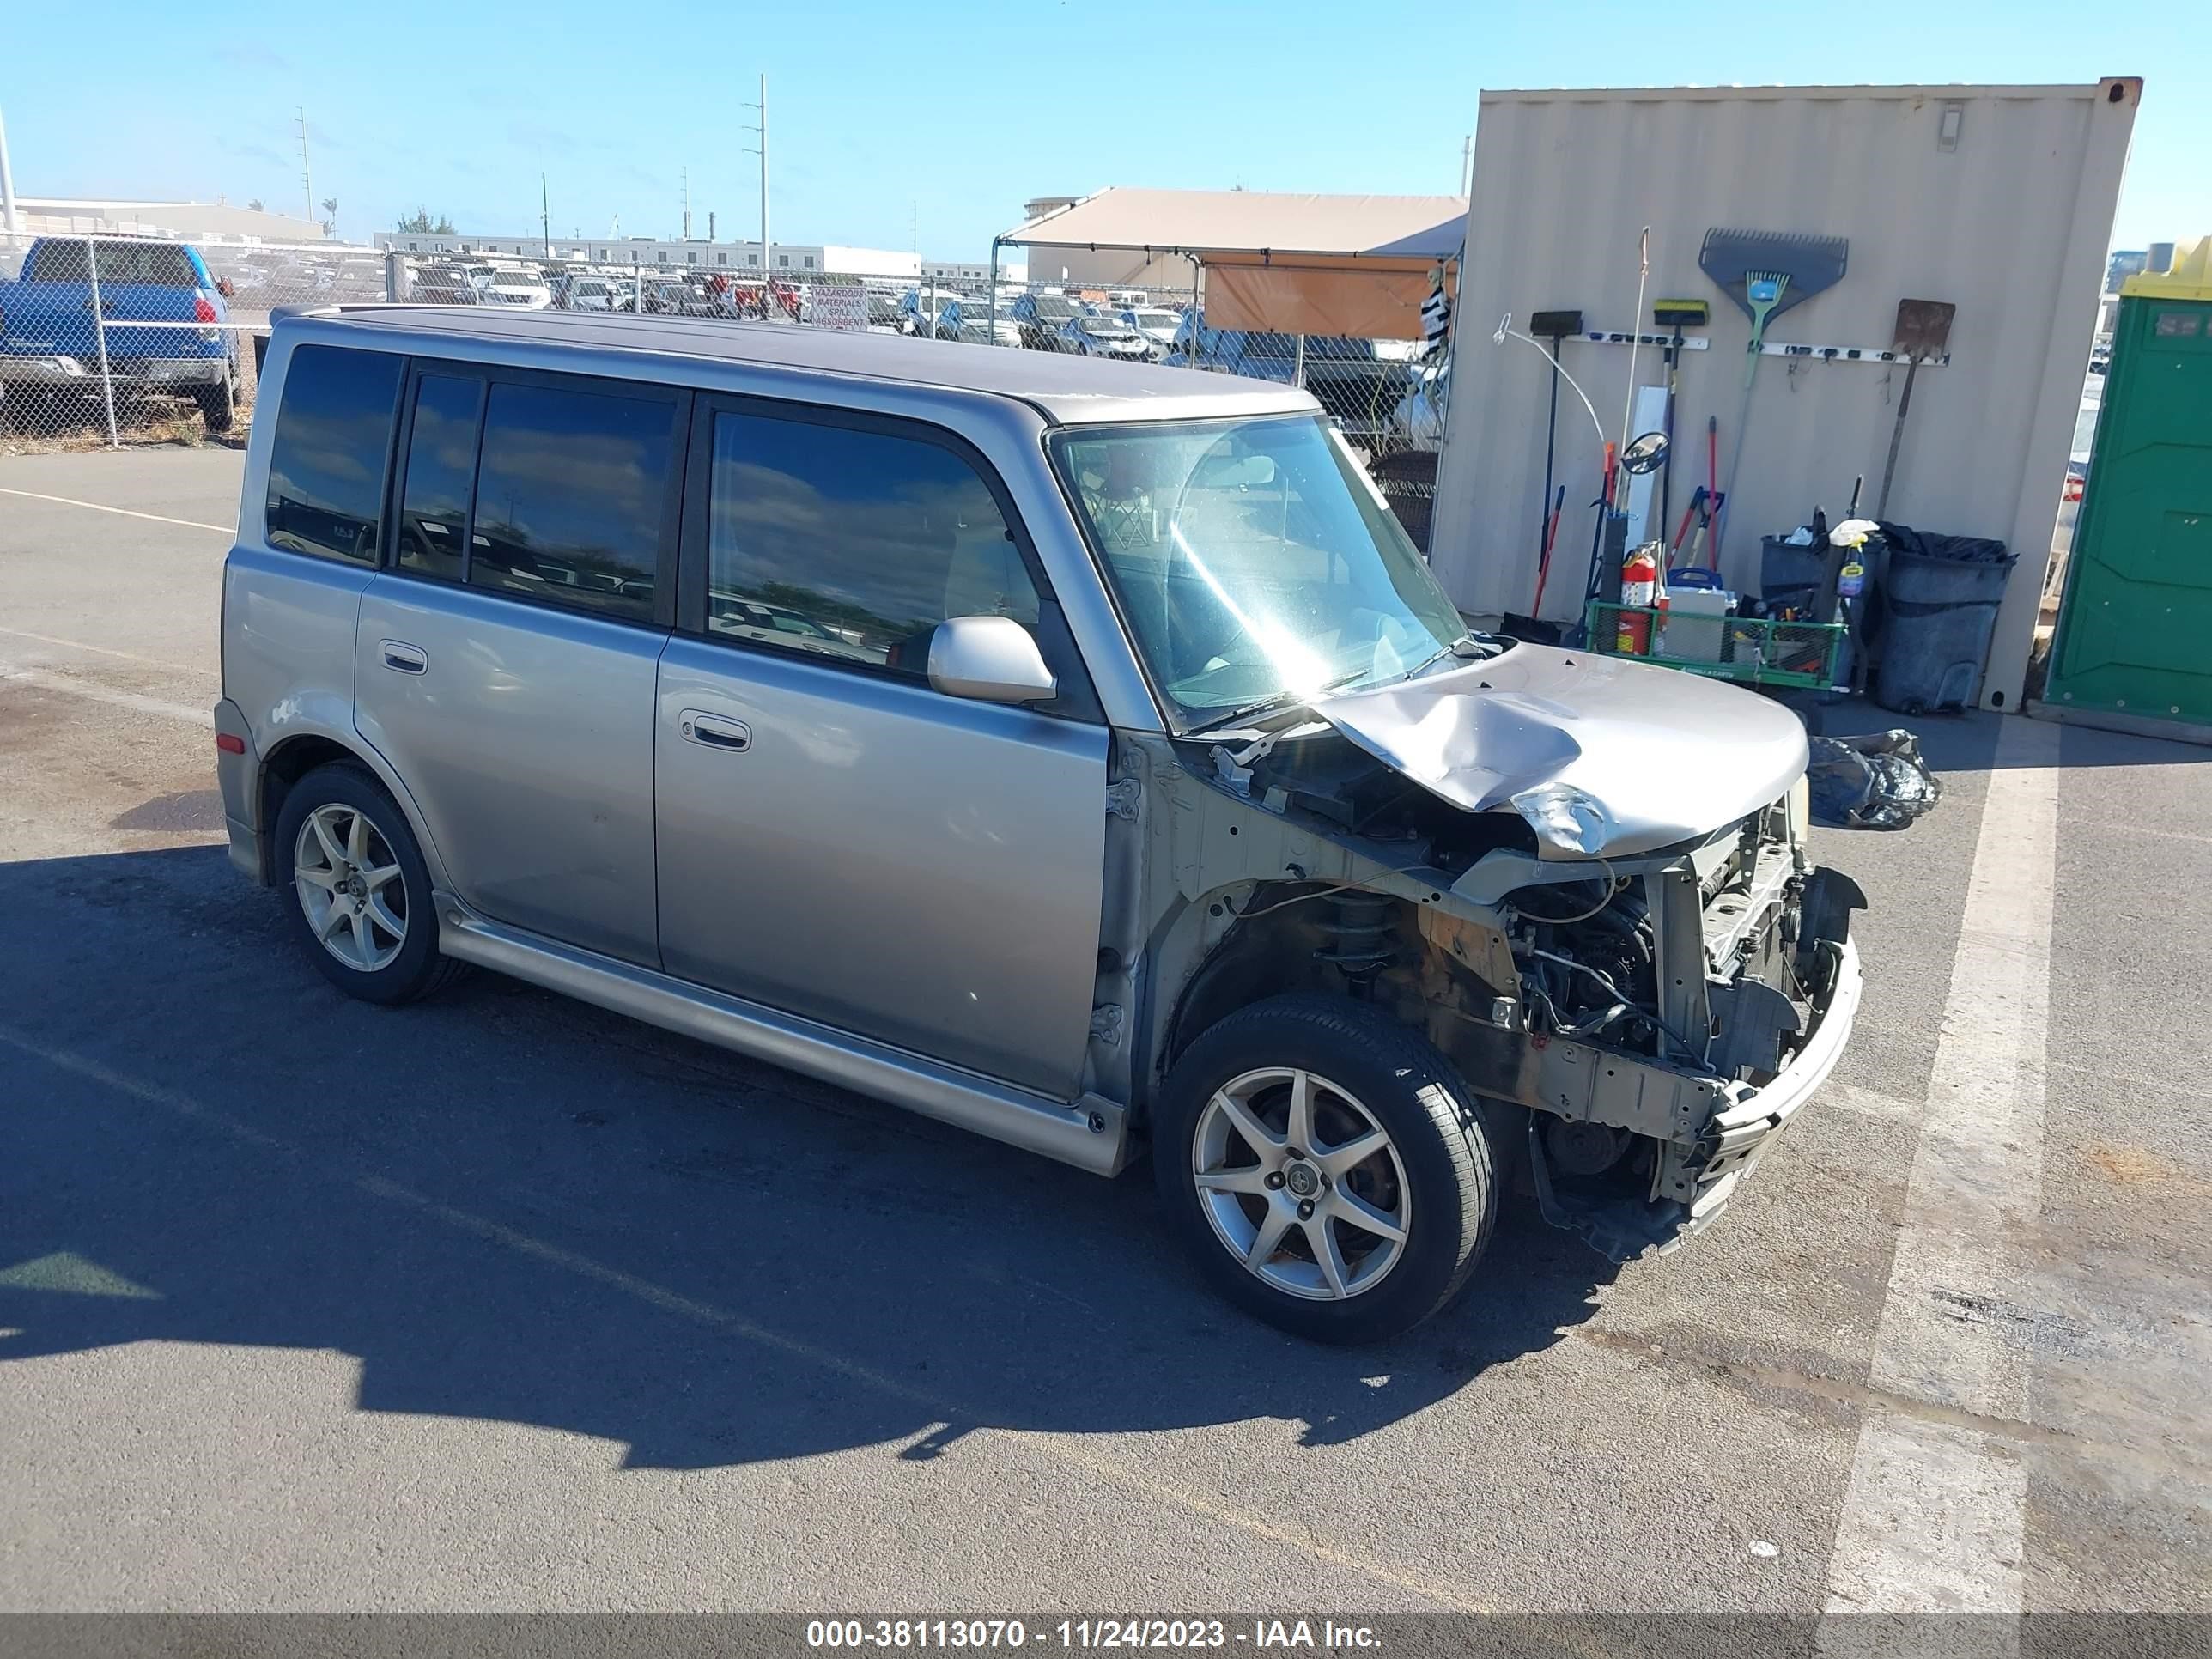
[
  {"x": 838, "y": 840},
  {"x": 505, "y": 659}
]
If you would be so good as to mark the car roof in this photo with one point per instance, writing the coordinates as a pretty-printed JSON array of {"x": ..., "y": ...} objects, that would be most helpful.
[{"x": 1066, "y": 388}]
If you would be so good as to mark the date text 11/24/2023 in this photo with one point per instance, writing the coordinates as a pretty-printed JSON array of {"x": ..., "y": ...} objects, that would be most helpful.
[{"x": 1263, "y": 1634}]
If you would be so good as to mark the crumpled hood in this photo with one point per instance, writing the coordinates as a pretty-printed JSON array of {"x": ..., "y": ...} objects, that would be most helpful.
[{"x": 1668, "y": 755}]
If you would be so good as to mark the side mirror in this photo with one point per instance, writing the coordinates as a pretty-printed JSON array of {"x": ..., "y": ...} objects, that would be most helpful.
[
  {"x": 222, "y": 286},
  {"x": 990, "y": 659},
  {"x": 1644, "y": 454}
]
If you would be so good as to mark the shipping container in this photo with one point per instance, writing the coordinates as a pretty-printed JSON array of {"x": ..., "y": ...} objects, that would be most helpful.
[{"x": 1998, "y": 200}]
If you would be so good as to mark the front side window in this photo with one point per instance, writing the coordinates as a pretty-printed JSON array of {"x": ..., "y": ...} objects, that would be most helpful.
[
  {"x": 441, "y": 459},
  {"x": 852, "y": 545},
  {"x": 326, "y": 463},
  {"x": 1252, "y": 564},
  {"x": 570, "y": 490}
]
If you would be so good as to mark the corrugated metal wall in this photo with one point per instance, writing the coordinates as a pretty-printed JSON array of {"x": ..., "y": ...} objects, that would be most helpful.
[{"x": 2011, "y": 226}]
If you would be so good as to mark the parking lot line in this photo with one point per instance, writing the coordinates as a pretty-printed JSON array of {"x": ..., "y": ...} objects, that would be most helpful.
[
  {"x": 71, "y": 687},
  {"x": 128, "y": 512},
  {"x": 1934, "y": 1516},
  {"x": 959, "y": 1422},
  {"x": 99, "y": 650}
]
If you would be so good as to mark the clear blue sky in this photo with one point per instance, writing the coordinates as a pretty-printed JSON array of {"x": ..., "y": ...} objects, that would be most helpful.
[{"x": 956, "y": 113}]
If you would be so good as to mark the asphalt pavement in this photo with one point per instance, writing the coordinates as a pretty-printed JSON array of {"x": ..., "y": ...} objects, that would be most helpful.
[{"x": 499, "y": 1302}]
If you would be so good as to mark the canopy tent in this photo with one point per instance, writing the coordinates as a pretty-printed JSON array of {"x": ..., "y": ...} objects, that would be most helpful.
[{"x": 1357, "y": 265}]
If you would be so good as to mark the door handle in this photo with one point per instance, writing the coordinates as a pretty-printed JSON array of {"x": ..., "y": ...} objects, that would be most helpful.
[
  {"x": 407, "y": 659},
  {"x": 715, "y": 730}
]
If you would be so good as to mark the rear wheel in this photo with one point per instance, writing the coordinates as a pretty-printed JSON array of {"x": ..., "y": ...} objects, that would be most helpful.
[
  {"x": 1327, "y": 1167},
  {"x": 358, "y": 889},
  {"x": 218, "y": 404}
]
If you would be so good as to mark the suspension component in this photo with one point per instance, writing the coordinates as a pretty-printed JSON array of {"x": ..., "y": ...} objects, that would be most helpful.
[{"x": 1359, "y": 926}]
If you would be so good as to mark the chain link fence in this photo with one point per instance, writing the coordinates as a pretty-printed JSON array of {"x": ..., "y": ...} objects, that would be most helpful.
[
  {"x": 111, "y": 339},
  {"x": 1386, "y": 396},
  {"x": 114, "y": 339}
]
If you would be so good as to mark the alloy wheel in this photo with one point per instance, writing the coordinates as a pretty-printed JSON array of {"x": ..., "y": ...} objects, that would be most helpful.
[
  {"x": 1301, "y": 1183},
  {"x": 349, "y": 887}
]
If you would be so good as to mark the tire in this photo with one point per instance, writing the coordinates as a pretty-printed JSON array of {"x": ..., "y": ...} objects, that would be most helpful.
[
  {"x": 1437, "y": 1173},
  {"x": 366, "y": 955},
  {"x": 218, "y": 404}
]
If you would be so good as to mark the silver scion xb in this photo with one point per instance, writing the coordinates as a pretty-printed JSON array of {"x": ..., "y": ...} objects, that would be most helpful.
[{"x": 1072, "y": 750}]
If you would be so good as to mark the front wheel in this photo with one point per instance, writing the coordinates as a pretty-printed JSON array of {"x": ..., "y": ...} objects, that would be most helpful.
[{"x": 1327, "y": 1167}]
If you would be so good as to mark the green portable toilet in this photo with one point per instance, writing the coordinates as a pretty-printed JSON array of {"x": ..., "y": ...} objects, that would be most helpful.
[{"x": 2135, "y": 628}]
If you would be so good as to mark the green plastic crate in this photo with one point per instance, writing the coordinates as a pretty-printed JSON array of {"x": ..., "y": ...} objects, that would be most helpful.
[{"x": 1745, "y": 649}]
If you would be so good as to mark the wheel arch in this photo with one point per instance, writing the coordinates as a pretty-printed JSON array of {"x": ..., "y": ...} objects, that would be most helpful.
[{"x": 298, "y": 753}]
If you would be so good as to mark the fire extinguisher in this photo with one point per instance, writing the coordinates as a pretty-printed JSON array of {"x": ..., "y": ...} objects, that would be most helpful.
[{"x": 1639, "y": 589}]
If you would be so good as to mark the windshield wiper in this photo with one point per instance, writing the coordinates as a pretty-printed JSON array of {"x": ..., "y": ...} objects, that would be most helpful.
[{"x": 1278, "y": 701}]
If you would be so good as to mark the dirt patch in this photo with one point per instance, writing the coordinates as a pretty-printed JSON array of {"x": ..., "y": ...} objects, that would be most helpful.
[{"x": 2138, "y": 1166}]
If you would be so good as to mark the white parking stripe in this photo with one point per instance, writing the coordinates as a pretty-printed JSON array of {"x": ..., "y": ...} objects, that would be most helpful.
[
  {"x": 71, "y": 686},
  {"x": 101, "y": 650},
  {"x": 1933, "y": 1518},
  {"x": 101, "y": 507}
]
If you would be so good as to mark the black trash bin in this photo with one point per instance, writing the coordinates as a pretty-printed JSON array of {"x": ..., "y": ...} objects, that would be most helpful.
[{"x": 1940, "y": 599}]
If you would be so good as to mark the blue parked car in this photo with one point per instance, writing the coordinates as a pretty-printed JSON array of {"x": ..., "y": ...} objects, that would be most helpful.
[
  {"x": 1359, "y": 387},
  {"x": 48, "y": 340}
]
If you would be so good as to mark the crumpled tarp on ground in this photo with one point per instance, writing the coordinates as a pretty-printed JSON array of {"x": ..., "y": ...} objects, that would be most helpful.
[{"x": 1877, "y": 781}]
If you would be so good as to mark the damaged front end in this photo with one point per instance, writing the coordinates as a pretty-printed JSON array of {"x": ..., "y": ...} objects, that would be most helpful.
[
  {"x": 1661, "y": 998},
  {"x": 1677, "y": 1010}
]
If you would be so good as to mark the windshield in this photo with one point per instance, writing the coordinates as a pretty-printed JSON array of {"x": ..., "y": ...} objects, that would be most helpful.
[
  {"x": 1253, "y": 565},
  {"x": 1154, "y": 319}
]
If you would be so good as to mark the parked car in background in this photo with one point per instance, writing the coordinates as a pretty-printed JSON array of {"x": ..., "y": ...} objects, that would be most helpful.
[
  {"x": 579, "y": 292},
  {"x": 931, "y": 312},
  {"x": 1358, "y": 385},
  {"x": 761, "y": 715},
  {"x": 443, "y": 285},
  {"x": 1106, "y": 336},
  {"x": 49, "y": 341},
  {"x": 1156, "y": 324},
  {"x": 515, "y": 286},
  {"x": 1041, "y": 317}
]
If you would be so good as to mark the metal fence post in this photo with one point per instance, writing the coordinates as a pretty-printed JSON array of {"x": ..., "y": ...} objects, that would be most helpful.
[
  {"x": 1299, "y": 365},
  {"x": 933, "y": 307},
  {"x": 637, "y": 287},
  {"x": 100, "y": 338},
  {"x": 395, "y": 274}
]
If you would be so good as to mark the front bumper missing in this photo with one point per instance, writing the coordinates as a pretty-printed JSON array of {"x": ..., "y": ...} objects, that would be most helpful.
[{"x": 1712, "y": 1131}]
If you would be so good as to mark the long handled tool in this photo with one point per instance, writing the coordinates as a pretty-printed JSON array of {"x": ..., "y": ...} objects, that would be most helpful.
[
  {"x": 1544, "y": 564},
  {"x": 1556, "y": 326},
  {"x": 1678, "y": 314},
  {"x": 1766, "y": 273},
  {"x": 1924, "y": 330}
]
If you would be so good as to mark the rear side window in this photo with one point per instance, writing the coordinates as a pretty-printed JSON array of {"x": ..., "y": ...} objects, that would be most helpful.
[
  {"x": 161, "y": 264},
  {"x": 326, "y": 463},
  {"x": 852, "y": 544},
  {"x": 441, "y": 459},
  {"x": 570, "y": 492}
]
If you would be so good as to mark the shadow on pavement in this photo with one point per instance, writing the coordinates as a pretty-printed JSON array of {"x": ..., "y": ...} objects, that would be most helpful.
[{"x": 509, "y": 1206}]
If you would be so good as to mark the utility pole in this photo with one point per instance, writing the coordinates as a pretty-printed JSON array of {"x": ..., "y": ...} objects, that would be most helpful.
[
  {"x": 545, "y": 215},
  {"x": 9, "y": 222},
  {"x": 710, "y": 224},
  {"x": 1466, "y": 166},
  {"x": 763, "y": 153},
  {"x": 687, "y": 204},
  {"x": 306, "y": 177}
]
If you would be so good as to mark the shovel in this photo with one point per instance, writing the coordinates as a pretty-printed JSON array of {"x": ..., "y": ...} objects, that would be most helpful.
[{"x": 1924, "y": 330}]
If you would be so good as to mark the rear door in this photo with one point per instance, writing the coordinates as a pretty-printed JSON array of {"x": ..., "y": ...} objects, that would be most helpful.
[
  {"x": 837, "y": 839},
  {"x": 505, "y": 658}
]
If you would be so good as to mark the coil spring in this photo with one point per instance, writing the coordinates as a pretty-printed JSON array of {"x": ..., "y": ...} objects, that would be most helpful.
[{"x": 1359, "y": 926}]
